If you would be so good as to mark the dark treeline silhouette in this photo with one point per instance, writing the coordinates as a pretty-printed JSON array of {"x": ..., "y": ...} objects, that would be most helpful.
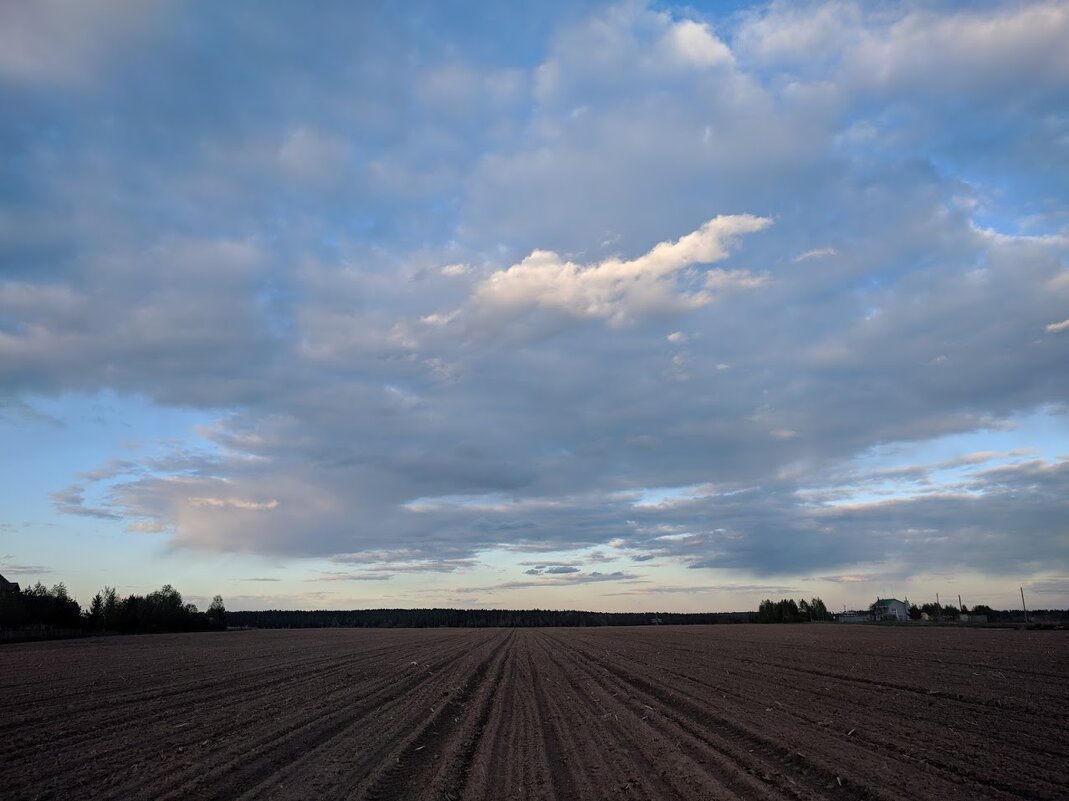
[
  {"x": 39, "y": 606},
  {"x": 787, "y": 611},
  {"x": 46, "y": 612},
  {"x": 950, "y": 612},
  {"x": 469, "y": 618},
  {"x": 161, "y": 610},
  {"x": 44, "y": 609}
]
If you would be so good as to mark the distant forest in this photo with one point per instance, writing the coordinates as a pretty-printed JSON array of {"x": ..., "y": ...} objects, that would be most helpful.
[
  {"x": 469, "y": 618},
  {"x": 41, "y": 612},
  {"x": 785, "y": 611},
  {"x": 45, "y": 610}
]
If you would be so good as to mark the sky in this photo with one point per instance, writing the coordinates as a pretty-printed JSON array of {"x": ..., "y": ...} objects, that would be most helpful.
[{"x": 613, "y": 306}]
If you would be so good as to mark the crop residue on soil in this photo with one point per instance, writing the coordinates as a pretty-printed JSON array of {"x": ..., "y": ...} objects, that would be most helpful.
[{"x": 718, "y": 712}]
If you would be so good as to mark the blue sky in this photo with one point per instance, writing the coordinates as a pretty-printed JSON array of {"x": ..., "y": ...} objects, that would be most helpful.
[{"x": 602, "y": 305}]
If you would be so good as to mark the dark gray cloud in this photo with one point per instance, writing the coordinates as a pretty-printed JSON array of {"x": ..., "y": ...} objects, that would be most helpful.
[
  {"x": 771, "y": 589},
  {"x": 336, "y": 575},
  {"x": 407, "y": 561},
  {"x": 328, "y": 254},
  {"x": 549, "y": 582},
  {"x": 15, "y": 569},
  {"x": 1058, "y": 585},
  {"x": 551, "y": 570},
  {"x": 71, "y": 501}
]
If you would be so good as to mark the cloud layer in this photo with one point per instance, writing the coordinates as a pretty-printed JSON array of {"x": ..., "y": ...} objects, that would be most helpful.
[{"x": 644, "y": 281}]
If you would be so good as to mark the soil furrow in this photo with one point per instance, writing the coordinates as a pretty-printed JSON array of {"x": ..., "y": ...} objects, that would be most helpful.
[
  {"x": 433, "y": 761},
  {"x": 727, "y": 712}
]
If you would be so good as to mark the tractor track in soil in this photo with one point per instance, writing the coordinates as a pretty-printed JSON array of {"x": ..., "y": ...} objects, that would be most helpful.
[{"x": 717, "y": 712}]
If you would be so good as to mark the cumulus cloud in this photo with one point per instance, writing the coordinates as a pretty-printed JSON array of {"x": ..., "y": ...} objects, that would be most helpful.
[
  {"x": 694, "y": 44},
  {"x": 1057, "y": 328},
  {"x": 919, "y": 49},
  {"x": 617, "y": 289},
  {"x": 968, "y": 48}
]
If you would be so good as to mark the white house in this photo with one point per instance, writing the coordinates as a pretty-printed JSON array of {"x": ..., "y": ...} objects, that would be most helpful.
[{"x": 890, "y": 609}]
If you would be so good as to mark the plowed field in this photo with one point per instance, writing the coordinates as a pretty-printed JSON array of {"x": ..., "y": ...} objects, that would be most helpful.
[{"x": 719, "y": 712}]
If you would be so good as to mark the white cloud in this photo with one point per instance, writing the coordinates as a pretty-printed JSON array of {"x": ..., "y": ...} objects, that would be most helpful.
[
  {"x": 235, "y": 503},
  {"x": 971, "y": 46},
  {"x": 726, "y": 280},
  {"x": 799, "y": 35},
  {"x": 694, "y": 44},
  {"x": 437, "y": 319},
  {"x": 148, "y": 527},
  {"x": 1057, "y": 328},
  {"x": 617, "y": 289},
  {"x": 816, "y": 253},
  {"x": 910, "y": 48}
]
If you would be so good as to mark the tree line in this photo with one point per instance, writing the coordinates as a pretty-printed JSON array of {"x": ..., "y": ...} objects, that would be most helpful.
[
  {"x": 789, "y": 611},
  {"x": 470, "y": 618},
  {"x": 39, "y": 607},
  {"x": 946, "y": 612}
]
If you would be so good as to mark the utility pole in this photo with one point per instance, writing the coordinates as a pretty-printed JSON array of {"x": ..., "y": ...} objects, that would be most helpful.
[
  {"x": 1024, "y": 606},
  {"x": 960, "y": 607},
  {"x": 938, "y": 608}
]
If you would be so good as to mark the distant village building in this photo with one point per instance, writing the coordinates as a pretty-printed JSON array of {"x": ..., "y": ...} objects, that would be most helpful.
[
  {"x": 856, "y": 616},
  {"x": 8, "y": 587},
  {"x": 890, "y": 609}
]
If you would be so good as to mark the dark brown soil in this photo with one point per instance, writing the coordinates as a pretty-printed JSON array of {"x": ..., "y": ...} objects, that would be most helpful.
[{"x": 719, "y": 712}]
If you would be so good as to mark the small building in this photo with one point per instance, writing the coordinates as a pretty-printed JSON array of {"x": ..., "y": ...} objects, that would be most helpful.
[
  {"x": 972, "y": 618},
  {"x": 889, "y": 609},
  {"x": 856, "y": 616},
  {"x": 8, "y": 587}
]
